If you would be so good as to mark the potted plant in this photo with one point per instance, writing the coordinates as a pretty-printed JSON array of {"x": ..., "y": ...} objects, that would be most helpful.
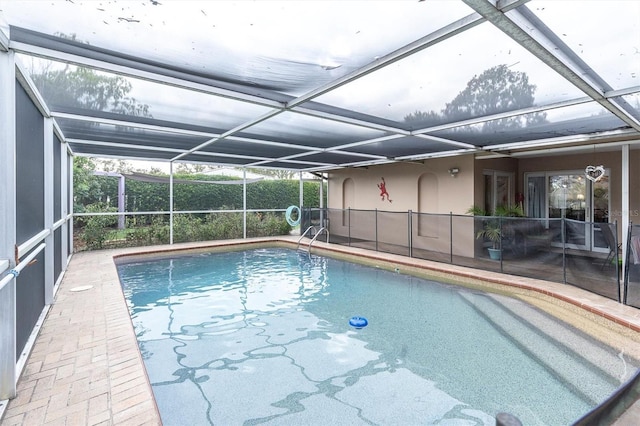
[{"x": 493, "y": 229}]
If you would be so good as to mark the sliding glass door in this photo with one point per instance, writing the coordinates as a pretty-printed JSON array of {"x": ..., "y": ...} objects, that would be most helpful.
[
  {"x": 570, "y": 195},
  {"x": 567, "y": 199}
]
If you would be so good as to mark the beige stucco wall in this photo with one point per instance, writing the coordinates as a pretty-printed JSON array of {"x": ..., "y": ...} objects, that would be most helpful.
[
  {"x": 421, "y": 188},
  {"x": 453, "y": 194}
]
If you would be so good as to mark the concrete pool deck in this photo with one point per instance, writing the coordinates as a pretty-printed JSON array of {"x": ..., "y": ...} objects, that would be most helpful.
[{"x": 85, "y": 367}]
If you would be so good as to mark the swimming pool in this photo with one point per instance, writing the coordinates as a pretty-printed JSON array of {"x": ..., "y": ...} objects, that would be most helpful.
[{"x": 263, "y": 336}]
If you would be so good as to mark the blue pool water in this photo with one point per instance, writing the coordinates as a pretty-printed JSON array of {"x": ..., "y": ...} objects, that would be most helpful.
[{"x": 263, "y": 337}]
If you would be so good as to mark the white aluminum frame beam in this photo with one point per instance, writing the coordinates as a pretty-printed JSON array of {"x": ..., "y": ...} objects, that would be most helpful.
[
  {"x": 4, "y": 41},
  {"x": 48, "y": 184},
  {"x": 7, "y": 223},
  {"x": 64, "y": 208}
]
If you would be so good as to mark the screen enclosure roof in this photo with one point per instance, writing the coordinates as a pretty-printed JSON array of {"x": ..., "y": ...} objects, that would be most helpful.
[{"x": 321, "y": 85}]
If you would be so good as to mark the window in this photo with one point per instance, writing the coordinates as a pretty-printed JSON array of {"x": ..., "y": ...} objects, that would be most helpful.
[{"x": 498, "y": 189}]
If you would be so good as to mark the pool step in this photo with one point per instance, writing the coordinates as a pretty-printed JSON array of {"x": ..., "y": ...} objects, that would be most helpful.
[{"x": 591, "y": 369}]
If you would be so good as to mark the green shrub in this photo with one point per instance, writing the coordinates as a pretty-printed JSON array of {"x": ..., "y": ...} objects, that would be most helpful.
[{"x": 96, "y": 228}]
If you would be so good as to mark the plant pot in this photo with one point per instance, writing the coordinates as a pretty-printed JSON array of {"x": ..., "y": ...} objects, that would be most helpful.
[{"x": 495, "y": 254}]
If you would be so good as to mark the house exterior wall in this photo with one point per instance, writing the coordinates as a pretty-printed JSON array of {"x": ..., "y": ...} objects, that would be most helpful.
[
  {"x": 421, "y": 188},
  {"x": 455, "y": 195},
  {"x": 429, "y": 188},
  {"x": 612, "y": 161}
]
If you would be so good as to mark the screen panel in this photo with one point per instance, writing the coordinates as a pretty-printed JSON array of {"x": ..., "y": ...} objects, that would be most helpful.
[{"x": 29, "y": 167}]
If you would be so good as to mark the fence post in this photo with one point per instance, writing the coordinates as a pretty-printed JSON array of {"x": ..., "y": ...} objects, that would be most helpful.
[
  {"x": 410, "y": 227},
  {"x": 616, "y": 258},
  {"x": 451, "y": 237},
  {"x": 501, "y": 251},
  {"x": 626, "y": 263},
  {"x": 564, "y": 248},
  {"x": 375, "y": 220},
  {"x": 349, "y": 225}
]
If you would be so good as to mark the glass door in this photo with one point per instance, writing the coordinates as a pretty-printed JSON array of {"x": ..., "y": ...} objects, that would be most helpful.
[
  {"x": 570, "y": 195},
  {"x": 600, "y": 214},
  {"x": 567, "y": 199},
  {"x": 497, "y": 190}
]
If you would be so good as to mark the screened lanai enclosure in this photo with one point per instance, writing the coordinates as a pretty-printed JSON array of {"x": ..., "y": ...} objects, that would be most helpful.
[{"x": 312, "y": 86}]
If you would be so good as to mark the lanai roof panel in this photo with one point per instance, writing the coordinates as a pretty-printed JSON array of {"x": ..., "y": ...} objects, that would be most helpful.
[
  {"x": 285, "y": 46},
  {"x": 584, "y": 119},
  {"x": 459, "y": 78},
  {"x": 407, "y": 146},
  {"x": 313, "y": 132},
  {"x": 605, "y": 35},
  {"x": 120, "y": 136},
  {"x": 151, "y": 99}
]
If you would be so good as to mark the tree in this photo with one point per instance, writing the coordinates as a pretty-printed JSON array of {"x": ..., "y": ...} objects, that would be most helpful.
[
  {"x": 116, "y": 166},
  {"x": 86, "y": 189},
  {"x": 87, "y": 89},
  {"x": 190, "y": 168},
  {"x": 275, "y": 173},
  {"x": 496, "y": 90},
  {"x": 423, "y": 119},
  {"x": 77, "y": 86}
]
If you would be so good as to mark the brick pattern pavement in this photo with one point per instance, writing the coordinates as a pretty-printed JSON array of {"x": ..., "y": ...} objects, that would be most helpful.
[{"x": 85, "y": 367}]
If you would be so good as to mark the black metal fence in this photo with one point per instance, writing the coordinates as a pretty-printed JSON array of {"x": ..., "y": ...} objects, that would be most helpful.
[
  {"x": 632, "y": 267},
  {"x": 583, "y": 254}
]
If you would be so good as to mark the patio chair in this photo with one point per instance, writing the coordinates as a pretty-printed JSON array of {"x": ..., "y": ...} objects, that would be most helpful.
[{"x": 610, "y": 239}]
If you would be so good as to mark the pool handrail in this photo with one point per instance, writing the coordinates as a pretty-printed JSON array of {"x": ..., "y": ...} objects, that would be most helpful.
[{"x": 315, "y": 237}]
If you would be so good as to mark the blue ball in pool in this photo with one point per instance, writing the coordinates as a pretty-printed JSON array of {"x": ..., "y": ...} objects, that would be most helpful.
[{"x": 358, "y": 322}]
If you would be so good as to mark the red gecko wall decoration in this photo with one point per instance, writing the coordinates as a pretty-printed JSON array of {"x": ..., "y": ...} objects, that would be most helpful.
[{"x": 383, "y": 190}]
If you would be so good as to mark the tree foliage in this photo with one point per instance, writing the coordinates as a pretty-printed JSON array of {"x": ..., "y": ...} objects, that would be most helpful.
[
  {"x": 86, "y": 88},
  {"x": 86, "y": 188},
  {"x": 274, "y": 173},
  {"x": 495, "y": 90}
]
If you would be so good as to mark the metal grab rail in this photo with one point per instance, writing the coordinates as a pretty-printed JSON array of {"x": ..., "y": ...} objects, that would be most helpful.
[
  {"x": 315, "y": 237},
  {"x": 13, "y": 273}
]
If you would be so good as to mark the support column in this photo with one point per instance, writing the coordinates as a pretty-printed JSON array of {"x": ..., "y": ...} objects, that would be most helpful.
[
  {"x": 69, "y": 236},
  {"x": 244, "y": 203},
  {"x": 301, "y": 198},
  {"x": 624, "y": 204},
  {"x": 7, "y": 224},
  {"x": 48, "y": 184},
  {"x": 171, "y": 202},
  {"x": 64, "y": 206},
  {"x": 322, "y": 221},
  {"x": 121, "y": 206},
  {"x": 301, "y": 192}
]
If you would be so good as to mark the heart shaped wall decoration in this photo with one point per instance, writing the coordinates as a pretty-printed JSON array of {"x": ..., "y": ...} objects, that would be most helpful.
[{"x": 594, "y": 173}]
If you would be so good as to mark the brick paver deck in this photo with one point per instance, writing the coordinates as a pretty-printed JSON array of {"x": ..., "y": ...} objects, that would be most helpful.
[{"x": 85, "y": 367}]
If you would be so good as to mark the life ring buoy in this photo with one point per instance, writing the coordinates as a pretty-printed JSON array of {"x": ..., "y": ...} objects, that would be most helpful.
[
  {"x": 358, "y": 322},
  {"x": 287, "y": 216}
]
